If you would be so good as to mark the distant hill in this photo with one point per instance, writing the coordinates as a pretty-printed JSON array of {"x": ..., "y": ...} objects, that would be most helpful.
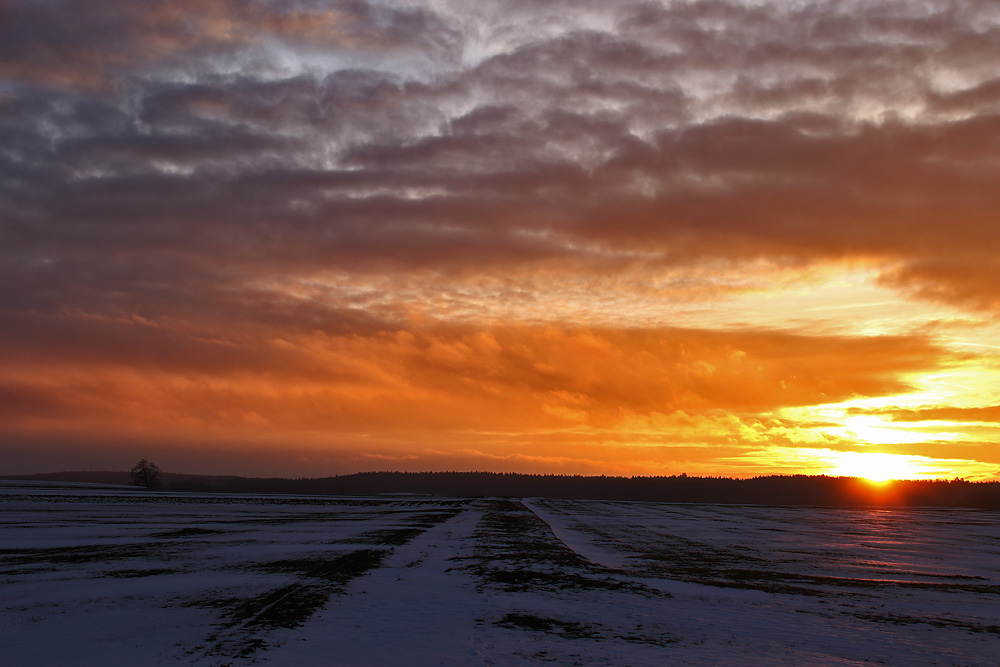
[{"x": 767, "y": 490}]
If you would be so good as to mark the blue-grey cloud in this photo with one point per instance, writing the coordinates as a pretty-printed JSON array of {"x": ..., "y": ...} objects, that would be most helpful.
[{"x": 158, "y": 158}]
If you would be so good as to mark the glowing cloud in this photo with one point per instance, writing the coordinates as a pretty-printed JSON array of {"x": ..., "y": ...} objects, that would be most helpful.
[{"x": 625, "y": 237}]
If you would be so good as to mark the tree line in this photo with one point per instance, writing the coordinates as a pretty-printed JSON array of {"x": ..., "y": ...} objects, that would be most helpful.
[{"x": 818, "y": 490}]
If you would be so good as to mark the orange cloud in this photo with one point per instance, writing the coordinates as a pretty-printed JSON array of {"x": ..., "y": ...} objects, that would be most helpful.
[
  {"x": 972, "y": 279},
  {"x": 987, "y": 414},
  {"x": 515, "y": 378}
]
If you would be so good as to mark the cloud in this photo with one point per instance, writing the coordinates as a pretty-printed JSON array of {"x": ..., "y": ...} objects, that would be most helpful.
[
  {"x": 675, "y": 134},
  {"x": 50, "y": 45},
  {"x": 522, "y": 378},
  {"x": 969, "y": 279},
  {"x": 986, "y": 414},
  {"x": 205, "y": 201}
]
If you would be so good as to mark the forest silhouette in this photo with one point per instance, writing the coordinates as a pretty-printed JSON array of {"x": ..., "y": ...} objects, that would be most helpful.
[{"x": 815, "y": 490}]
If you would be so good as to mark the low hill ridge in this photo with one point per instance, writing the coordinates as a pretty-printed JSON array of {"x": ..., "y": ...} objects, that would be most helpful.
[{"x": 766, "y": 490}]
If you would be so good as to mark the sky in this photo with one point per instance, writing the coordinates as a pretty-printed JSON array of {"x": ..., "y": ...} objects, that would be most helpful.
[{"x": 314, "y": 237}]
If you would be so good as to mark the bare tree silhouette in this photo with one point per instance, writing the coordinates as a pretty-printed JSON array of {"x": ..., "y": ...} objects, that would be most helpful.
[{"x": 145, "y": 473}]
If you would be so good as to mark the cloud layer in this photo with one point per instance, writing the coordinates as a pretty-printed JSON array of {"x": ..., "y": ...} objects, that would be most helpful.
[{"x": 323, "y": 216}]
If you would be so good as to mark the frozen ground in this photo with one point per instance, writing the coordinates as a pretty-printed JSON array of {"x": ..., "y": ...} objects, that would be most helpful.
[{"x": 106, "y": 577}]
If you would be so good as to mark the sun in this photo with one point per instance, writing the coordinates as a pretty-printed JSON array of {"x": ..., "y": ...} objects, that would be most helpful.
[{"x": 875, "y": 467}]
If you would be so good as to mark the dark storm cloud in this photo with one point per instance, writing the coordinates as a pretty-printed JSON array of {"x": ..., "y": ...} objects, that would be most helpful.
[{"x": 158, "y": 157}]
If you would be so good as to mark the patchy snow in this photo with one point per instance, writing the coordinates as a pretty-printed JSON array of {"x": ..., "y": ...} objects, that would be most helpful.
[
  {"x": 108, "y": 577},
  {"x": 814, "y": 585}
]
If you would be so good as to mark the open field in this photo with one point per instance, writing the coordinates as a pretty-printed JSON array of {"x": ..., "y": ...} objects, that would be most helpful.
[{"x": 101, "y": 576}]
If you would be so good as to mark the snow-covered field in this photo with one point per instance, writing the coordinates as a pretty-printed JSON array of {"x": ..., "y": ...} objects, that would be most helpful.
[{"x": 107, "y": 577}]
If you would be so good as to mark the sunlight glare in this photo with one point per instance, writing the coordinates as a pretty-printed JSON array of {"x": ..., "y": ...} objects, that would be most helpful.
[{"x": 876, "y": 467}]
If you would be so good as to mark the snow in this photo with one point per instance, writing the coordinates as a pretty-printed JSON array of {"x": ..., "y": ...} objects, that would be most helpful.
[
  {"x": 896, "y": 586},
  {"x": 113, "y": 576}
]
